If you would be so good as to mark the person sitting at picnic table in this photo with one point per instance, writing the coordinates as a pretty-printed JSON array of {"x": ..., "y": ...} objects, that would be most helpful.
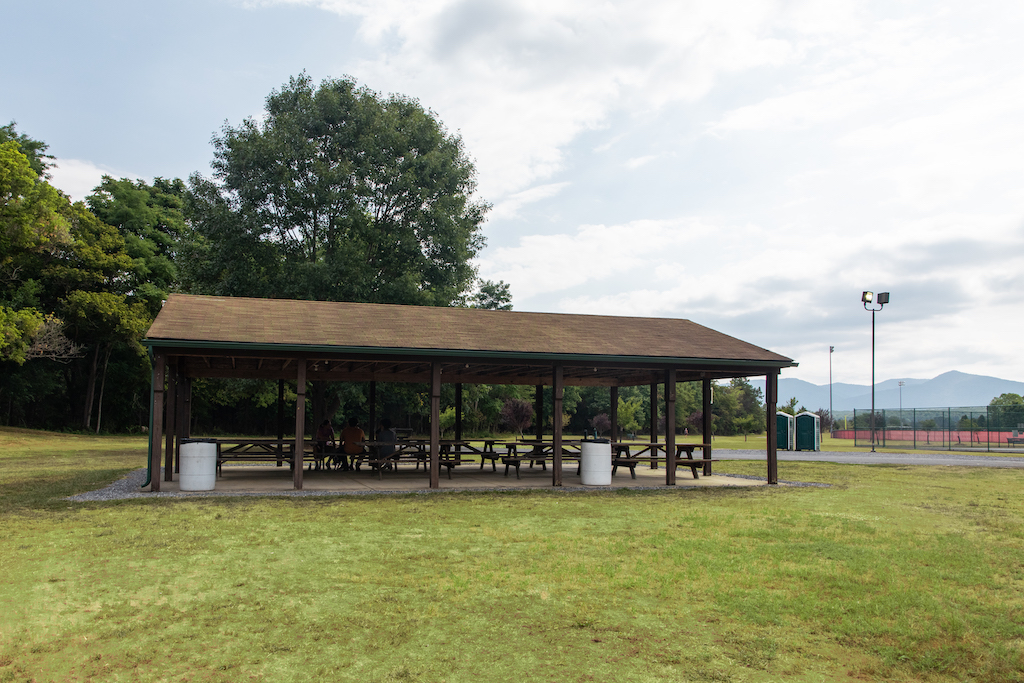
[
  {"x": 352, "y": 438},
  {"x": 324, "y": 438},
  {"x": 386, "y": 450}
]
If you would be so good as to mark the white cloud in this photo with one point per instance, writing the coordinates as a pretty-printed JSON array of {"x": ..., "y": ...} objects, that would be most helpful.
[
  {"x": 509, "y": 207},
  {"x": 77, "y": 178},
  {"x": 522, "y": 80},
  {"x": 637, "y": 162}
]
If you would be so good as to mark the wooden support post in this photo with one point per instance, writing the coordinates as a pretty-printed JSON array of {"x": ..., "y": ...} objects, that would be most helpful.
[
  {"x": 614, "y": 413},
  {"x": 187, "y": 419},
  {"x": 300, "y": 423},
  {"x": 654, "y": 421},
  {"x": 280, "y": 423},
  {"x": 670, "y": 427},
  {"x": 771, "y": 386},
  {"x": 557, "y": 392},
  {"x": 170, "y": 409},
  {"x": 538, "y": 410},
  {"x": 435, "y": 425},
  {"x": 372, "y": 429},
  {"x": 156, "y": 437},
  {"x": 707, "y": 426},
  {"x": 458, "y": 416},
  {"x": 319, "y": 402},
  {"x": 180, "y": 419}
]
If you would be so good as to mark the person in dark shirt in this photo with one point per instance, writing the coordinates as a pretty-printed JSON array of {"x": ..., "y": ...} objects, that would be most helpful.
[
  {"x": 352, "y": 438},
  {"x": 388, "y": 436},
  {"x": 324, "y": 444}
]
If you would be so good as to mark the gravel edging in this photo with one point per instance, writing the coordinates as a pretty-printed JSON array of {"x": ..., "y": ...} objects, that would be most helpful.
[{"x": 128, "y": 487}]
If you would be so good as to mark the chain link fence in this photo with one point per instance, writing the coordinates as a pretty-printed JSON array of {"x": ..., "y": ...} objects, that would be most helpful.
[{"x": 987, "y": 428}]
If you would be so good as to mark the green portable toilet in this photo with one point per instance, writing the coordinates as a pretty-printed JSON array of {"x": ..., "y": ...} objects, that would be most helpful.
[
  {"x": 785, "y": 432},
  {"x": 808, "y": 432}
]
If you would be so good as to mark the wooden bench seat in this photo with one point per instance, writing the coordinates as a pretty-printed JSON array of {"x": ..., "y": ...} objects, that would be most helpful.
[
  {"x": 252, "y": 457},
  {"x": 535, "y": 458},
  {"x": 632, "y": 461},
  {"x": 493, "y": 457}
]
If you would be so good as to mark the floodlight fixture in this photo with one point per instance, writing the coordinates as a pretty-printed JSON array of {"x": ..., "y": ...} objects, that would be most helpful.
[{"x": 881, "y": 300}]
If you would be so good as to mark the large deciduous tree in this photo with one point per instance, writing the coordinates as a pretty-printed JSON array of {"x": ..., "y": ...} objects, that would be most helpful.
[
  {"x": 61, "y": 270},
  {"x": 150, "y": 221},
  {"x": 337, "y": 193},
  {"x": 33, "y": 223},
  {"x": 34, "y": 150}
]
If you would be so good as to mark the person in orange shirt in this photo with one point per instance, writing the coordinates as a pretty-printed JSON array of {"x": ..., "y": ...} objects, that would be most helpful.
[{"x": 352, "y": 438}]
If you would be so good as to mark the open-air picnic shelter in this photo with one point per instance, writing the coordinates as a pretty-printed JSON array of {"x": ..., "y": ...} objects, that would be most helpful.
[{"x": 318, "y": 341}]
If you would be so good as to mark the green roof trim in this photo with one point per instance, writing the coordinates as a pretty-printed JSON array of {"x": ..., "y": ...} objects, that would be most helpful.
[{"x": 459, "y": 353}]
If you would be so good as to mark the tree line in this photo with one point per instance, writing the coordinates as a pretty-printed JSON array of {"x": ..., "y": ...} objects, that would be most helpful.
[{"x": 336, "y": 193}]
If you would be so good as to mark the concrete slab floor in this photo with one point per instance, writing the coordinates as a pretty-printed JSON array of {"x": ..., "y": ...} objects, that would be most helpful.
[{"x": 269, "y": 479}]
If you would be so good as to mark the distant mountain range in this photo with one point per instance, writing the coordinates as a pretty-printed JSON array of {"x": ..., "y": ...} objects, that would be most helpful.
[{"x": 956, "y": 389}]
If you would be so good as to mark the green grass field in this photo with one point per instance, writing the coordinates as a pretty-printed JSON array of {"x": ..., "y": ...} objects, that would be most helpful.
[{"x": 889, "y": 574}]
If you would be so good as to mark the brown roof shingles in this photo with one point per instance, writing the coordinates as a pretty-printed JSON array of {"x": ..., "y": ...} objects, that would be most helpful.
[{"x": 236, "y": 320}]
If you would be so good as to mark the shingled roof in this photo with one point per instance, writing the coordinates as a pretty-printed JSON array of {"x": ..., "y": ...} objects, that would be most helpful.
[{"x": 235, "y": 322}]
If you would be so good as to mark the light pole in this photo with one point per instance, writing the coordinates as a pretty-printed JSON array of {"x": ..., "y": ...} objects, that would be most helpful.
[
  {"x": 901, "y": 383},
  {"x": 882, "y": 299}
]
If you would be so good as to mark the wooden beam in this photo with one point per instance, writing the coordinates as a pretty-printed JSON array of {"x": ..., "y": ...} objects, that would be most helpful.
[
  {"x": 280, "y": 422},
  {"x": 670, "y": 427},
  {"x": 538, "y": 410},
  {"x": 614, "y": 411},
  {"x": 708, "y": 426},
  {"x": 180, "y": 423},
  {"x": 771, "y": 386},
  {"x": 300, "y": 422},
  {"x": 263, "y": 364},
  {"x": 156, "y": 437},
  {"x": 373, "y": 410},
  {"x": 654, "y": 419},
  {"x": 188, "y": 408},
  {"x": 557, "y": 392},
  {"x": 170, "y": 410},
  {"x": 435, "y": 425},
  {"x": 458, "y": 414}
]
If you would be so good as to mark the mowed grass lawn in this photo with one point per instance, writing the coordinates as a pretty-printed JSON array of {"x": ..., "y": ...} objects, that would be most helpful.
[{"x": 888, "y": 574}]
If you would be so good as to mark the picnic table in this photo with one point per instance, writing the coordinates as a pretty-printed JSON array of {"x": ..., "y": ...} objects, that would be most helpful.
[
  {"x": 488, "y": 453},
  {"x": 623, "y": 456},
  {"x": 416, "y": 451},
  {"x": 241, "y": 449},
  {"x": 536, "y": 451}
]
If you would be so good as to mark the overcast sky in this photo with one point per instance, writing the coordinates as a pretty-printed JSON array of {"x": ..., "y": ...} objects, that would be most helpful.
[{"x": 751, "y": 166}]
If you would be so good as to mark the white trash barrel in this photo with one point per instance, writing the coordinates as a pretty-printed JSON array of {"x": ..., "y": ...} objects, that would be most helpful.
[
  {"x": 596, "y": 462},
  {"x": 198, "y": 465}
]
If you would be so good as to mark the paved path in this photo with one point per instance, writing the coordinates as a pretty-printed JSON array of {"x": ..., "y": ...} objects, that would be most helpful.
[{"x": 869, "y": 458}]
